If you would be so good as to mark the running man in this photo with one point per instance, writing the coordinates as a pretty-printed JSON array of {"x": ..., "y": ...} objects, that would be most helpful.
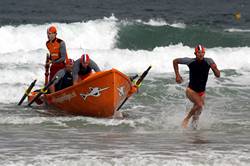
[{"x": 198, "y": 74}]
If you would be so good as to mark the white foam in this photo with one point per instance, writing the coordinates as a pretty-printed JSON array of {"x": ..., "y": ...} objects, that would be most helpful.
[
  {"x": 93, "y": 34},
  {"x": 97, "y": 34},
  {"x": 162, "y": 22},
  {"x": 23, "y": 60},
  {"x": 23, "y": 67},
  {"x": 97, "y": 158},
  {"x": 62, "y": 121},
  {"x": 237, "y": 30}
]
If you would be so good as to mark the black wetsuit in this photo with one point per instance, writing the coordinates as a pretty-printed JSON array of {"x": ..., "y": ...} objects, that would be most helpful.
[
  {"x": 64, "y": 80},
  {"x": 198, "y": 72}
]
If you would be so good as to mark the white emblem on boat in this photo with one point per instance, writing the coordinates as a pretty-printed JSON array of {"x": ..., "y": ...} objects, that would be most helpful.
[
  {"x": 93, "y": 92},
  {"x": 121, "y": 91}
]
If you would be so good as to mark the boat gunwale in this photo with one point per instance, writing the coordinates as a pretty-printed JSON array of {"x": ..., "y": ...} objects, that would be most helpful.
[{"x": 89, "y": 79}]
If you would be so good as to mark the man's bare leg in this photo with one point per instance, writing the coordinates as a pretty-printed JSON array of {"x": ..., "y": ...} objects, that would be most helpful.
[
  {"x": 195, "y": 119},
  {"x": 197, "y": 114},
  {"x": 198, "y": 104},
  {"x": 190, "y": 114}
]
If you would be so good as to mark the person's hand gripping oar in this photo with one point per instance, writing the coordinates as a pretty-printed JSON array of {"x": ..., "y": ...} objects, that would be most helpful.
[{"x": 43, "y": 91}]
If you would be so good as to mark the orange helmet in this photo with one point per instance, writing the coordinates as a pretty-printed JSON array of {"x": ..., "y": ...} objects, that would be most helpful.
[
  {"x": 85, "y": 59},
  {"x": 52, "y": 29},
  {"x": 199, "y": 48}
]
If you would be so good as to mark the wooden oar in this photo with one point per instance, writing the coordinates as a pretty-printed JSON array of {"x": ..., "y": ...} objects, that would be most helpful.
[
  {"x": 27, "y": 92},
  {"x": 42, "y": 91},
  {"x": 138, "y": 83}
]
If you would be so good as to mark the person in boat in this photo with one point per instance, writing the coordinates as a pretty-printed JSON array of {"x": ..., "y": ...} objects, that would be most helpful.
[
  {"x": 57, "y": 52},
  {"x": 198, "y": 74},
  {"x": 83, "y": 67},
  {"x": 64, "y": 77}
]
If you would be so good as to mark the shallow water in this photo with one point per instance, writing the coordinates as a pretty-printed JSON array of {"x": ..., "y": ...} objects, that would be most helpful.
[{"x": 150, "y": 133}]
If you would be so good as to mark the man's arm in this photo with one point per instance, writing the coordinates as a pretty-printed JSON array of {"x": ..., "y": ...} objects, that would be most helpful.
[
  {"x": 213, "y": 67},
  {"x": 62, "y": 52},
  {"x": 75, "y": 79},
  {"x": 178, "y": 77},
  {"x": 215, "y": 70},
  {"x": 59, "y": 76},
  {"x": 75, "y": 71},
  {"x": 94, "y": 66}
]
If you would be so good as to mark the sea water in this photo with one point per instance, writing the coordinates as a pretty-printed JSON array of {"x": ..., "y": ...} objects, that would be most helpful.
[{"x": 128, "y": 36}]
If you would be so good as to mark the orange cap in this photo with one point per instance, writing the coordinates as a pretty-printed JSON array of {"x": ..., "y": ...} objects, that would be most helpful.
[{"x": 52, "y": 29}]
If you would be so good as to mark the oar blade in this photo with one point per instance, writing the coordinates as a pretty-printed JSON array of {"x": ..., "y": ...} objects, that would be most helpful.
[
  {"x": 138, "y": 82},
  {"x": 27, "y": 92}
]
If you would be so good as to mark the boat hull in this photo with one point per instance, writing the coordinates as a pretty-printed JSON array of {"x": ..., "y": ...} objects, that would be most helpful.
[{"x": 99, "y": 95}]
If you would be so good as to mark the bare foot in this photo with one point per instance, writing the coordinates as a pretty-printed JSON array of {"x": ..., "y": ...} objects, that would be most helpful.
[{"x": 184, "y": 123}]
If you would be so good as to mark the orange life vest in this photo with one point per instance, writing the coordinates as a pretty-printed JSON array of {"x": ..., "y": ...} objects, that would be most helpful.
[{"x": 54, "y": 49}]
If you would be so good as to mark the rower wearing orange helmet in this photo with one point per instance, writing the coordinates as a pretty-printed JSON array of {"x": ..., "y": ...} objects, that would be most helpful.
[
  {"x": 198, "y": 74},
  {"x": 83, "y": 67},
  {"x": 57, "y": 50}
]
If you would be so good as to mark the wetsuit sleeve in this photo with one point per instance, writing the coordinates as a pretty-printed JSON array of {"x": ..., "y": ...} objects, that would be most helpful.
[
  {"x": 60, "y": 75},
  {"x": 210, "y": 61},
  {"x": 63, "y": 53},
  {"x": 94, "y": 66},
  {"x": 76, "y": 68},
  {"x": 185, "y": 61}
]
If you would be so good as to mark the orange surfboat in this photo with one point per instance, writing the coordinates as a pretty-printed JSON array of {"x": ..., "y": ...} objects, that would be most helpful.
[{"x": 98, "y": 95}]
